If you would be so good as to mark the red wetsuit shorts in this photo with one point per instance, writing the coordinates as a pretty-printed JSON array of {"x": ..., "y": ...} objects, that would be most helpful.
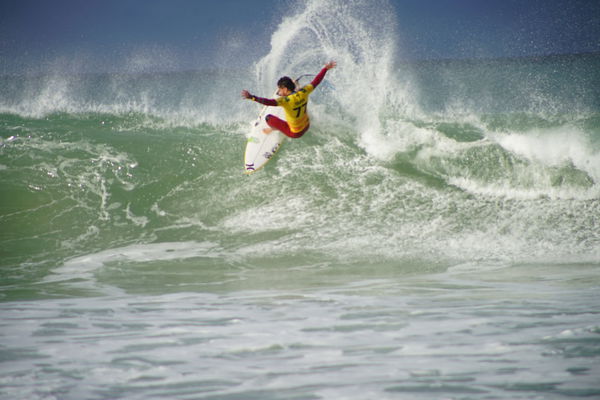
[{"x": 281, "y": 125}]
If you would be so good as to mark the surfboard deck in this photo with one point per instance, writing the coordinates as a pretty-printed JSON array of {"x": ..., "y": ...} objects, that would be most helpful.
[{"x": 261, "y": 148}]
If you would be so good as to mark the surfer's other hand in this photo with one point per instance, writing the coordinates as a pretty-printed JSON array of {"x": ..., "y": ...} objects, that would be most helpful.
[
  {"x": 330, "y": 64},
  {"x": 246, "y": 94}
]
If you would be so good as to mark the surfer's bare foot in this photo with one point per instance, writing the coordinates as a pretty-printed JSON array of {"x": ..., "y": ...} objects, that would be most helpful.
[{"x": 266, "y": 131}]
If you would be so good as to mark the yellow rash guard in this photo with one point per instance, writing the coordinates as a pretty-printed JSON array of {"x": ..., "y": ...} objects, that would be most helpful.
[{"x": 295, "y": 108}]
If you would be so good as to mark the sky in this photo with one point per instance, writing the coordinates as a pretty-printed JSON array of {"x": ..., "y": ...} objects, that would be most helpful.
[{"x": 136, "y": 35}]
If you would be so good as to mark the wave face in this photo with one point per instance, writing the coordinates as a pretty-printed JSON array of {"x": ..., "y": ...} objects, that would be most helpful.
[{"x": 430, "y": 163}]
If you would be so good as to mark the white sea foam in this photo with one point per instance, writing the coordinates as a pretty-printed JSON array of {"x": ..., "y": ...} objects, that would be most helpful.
[
  {"x": 555, "y": 147},
  {"x": 83, "y": 267}
]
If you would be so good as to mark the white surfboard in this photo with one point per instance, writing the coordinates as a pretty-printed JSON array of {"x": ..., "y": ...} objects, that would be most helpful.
[{"x": 260, "y": 148}]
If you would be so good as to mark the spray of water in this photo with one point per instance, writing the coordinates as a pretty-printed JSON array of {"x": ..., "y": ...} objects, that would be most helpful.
[{"x": 361, "y": 36}]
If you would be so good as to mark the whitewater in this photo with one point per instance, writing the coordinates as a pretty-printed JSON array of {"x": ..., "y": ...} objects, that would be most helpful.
[{"x": 435, "y": 235}]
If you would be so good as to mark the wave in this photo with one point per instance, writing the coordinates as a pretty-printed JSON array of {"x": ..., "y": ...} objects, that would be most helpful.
[
  {"x": 323, "y": 195},
  {"x": 396, "y": 167}
]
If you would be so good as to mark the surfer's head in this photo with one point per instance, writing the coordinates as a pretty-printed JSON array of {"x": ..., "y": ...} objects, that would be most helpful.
[{"x": 286, "y": 82}]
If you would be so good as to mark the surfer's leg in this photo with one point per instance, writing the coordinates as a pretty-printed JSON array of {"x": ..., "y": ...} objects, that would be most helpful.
[
  {"x": 281, "y": 125},
  {"x": 277, "y": 123}
]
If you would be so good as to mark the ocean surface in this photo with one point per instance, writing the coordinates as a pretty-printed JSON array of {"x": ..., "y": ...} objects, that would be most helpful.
[{"x": 435, "y": 235}]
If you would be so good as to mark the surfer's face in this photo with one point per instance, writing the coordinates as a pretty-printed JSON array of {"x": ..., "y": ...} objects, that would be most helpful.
[{"x": 283, "y": 91}]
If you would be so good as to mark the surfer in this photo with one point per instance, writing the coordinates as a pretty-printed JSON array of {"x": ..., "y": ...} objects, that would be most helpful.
[{"x": 293, "y": 102}]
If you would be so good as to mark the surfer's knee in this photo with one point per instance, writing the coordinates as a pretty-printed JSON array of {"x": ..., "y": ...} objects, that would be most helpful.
[
  {"x": 270, "y": 120},
  {"x": 274, "y": 122}
]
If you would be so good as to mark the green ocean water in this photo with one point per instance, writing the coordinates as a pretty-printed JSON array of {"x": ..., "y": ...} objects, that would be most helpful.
[
  {"x": 439, "y": 186},
  {"x": 436, "y": 234}
]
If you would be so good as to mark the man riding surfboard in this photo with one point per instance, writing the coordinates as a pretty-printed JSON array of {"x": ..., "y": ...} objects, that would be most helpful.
[{"x": 293, "y": 102}]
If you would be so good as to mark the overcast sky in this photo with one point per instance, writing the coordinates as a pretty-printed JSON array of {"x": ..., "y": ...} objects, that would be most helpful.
[{"x": 184, "y": 34}]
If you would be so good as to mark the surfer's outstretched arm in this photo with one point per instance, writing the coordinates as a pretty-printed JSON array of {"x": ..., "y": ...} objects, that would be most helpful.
[
  {"x": 267, "y": 102},
  {"x": 315, "y": 82}
]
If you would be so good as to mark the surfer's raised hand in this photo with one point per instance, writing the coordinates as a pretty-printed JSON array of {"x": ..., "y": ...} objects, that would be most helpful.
[
  {"x": 246, "y": 94},
  {"x": 330, "y": 64}
]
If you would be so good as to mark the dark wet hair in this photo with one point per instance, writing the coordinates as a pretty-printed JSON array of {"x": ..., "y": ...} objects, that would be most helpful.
[{"x": 286, "y": 82}]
